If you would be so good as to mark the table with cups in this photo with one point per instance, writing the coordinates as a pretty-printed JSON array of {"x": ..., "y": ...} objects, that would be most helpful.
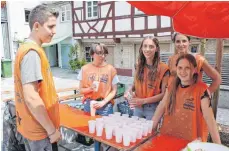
[{"x": 119, "y": 131}]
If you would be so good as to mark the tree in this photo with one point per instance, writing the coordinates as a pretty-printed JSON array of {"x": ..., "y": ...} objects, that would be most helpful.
[{"x": 74, "y": 61}]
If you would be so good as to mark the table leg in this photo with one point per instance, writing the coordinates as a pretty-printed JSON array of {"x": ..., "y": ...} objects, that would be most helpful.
[{"x": 97, "y": 145}]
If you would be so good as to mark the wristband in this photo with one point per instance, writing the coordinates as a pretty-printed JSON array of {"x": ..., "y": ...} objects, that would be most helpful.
[{"x": 52, "y": 133}]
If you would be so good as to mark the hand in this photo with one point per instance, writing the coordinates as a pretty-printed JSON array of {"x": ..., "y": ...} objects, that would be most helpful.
[
  {"x": 55, "y": 137},
  {"x": 126, "y": 95},
  {"x": 136, "y": 102},
  {"x": 92, "y": 87},
  {"x": 99, "y": 104}
]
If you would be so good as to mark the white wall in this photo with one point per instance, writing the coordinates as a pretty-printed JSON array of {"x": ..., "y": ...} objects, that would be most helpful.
[
  {"x": 18, "y": 28},
  {"x": 104, "y": 10},
  {"x": 63, "y": 28},
  {"x": 122, "y": 8}
]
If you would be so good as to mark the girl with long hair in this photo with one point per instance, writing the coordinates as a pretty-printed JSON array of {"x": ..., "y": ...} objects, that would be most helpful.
[
  {"x": 186, "y": 105},
  {"x": 150, "y": 79}
]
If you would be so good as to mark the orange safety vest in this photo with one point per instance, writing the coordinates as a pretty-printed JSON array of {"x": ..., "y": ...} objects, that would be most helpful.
[
  {"x": 27, "y": 125},
  {"x": 147, "y": 88},
  {"x": 104, "y": 75},
  {"x": 187, "y": 121}
]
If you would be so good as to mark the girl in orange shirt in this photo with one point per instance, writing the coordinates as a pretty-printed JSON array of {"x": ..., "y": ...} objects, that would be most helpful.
[
  {"x": 182, "y": 43},
  {"x": 186, "y": 105},
  {"x": 150, "y": 79}
]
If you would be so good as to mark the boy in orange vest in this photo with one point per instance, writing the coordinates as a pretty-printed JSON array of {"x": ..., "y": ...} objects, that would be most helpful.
[
  {"x": 186, "y": 105},
  {"x": 35, "y": 95}
]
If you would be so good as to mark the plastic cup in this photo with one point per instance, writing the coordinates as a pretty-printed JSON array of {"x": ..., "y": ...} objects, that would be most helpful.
[
  {"x": 96, "y": 84},
  {"x": 150, "y": 126},
  {"x": 118, "y": 135},
  {"x": 125, "y": 115},
  {"x": 133, "y": 135},
  {"x": 99, "y": 120},
  {"x": 117, "y": 113},
  {"x": 92, "y": 109},
  {"x": 145, "y": 129},
  {"x": 108, "y": 131},
  {"x": 99, "y": 129},
  {"x": 140, "y": 131},
  {"x": 91, "y": 125},
  {"x": 111, "y": 115},
  {"x": 143, "y": 120},
  {"x": 126, "y": 138},
  {"x": 135, "y": 117}
]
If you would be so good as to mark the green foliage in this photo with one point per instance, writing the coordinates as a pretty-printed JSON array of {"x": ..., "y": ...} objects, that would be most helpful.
[{"x": 74, "y": 61}]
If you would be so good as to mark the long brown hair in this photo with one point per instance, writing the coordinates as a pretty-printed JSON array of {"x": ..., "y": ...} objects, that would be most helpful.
[
  {"x": 172, "y": 94},
  {"x": 142, "y": 62}
]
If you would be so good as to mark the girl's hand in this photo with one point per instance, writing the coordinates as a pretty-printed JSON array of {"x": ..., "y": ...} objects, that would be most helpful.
[
  {"x": 136, "y": 102},
  {"x": 99, "y": 104}
]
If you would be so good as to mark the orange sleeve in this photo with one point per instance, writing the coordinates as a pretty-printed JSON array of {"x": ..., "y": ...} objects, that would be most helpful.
[{"x": 200, "y": 61}]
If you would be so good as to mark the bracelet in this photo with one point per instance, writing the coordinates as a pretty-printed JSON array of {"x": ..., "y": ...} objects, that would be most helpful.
[{"x": 52, "y": 133}]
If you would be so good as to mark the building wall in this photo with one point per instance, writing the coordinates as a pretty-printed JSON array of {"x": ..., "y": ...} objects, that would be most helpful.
[{"x": 18, "y": 28}]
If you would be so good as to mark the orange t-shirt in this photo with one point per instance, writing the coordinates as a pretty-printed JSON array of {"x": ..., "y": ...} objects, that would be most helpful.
[
  {"x": 104, "y": 75},
  {"x": 147, "y": 88},
  {"x": 27, "y": 125},
  {"x": 187, "y": 121}
]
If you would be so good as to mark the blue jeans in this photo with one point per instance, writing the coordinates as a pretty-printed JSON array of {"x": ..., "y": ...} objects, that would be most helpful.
[
  {"x": 104, "y": 111},
  {"x": 39, "y": 145},
  {"x": 146, "y": 111}
]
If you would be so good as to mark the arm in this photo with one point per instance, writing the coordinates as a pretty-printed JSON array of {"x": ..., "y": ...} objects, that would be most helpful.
[
  {"x": 210, "y": 120},
  {"x": 160, "y": 110},
  {"x": 36, "y": 106},
  {"x": 109, "y": 97},
  {"x": 86, "y": 90},
  {"x": 213, "y": 74}
]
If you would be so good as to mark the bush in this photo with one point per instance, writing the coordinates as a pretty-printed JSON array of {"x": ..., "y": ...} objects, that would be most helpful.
[{"x": 74, "y": 62}]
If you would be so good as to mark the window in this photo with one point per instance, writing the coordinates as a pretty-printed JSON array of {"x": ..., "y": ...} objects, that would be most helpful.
[
  {"x": 194, "y": 48},
  {"x": 92, "y": 9},
  {"x": 65, "y": 13},
  {"x": 27, "y": 12},
  {"x": 87, "y": 54}
]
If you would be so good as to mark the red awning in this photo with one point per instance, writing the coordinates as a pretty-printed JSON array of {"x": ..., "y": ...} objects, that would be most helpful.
[{"x": 200, "y": 19}]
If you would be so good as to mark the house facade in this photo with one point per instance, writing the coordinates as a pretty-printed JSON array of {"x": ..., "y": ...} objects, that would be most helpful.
[
  {"x": 4, "y": 39},
  {"x": 17, "y": 26},
  {"x": 122, "y": 27}
]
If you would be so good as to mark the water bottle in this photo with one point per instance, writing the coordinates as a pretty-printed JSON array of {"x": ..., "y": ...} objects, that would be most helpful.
[{"x": 129, "y": 97}]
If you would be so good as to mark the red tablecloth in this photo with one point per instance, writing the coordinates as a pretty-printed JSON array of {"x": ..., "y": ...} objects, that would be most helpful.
[{"x": 163, "y": 143}]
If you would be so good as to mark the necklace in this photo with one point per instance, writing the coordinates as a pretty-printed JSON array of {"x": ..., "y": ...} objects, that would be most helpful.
[{"x": 149, "y": 66}]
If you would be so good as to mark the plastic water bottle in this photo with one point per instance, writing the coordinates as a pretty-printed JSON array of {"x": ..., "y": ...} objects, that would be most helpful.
[{"x": 129, "y": 97}]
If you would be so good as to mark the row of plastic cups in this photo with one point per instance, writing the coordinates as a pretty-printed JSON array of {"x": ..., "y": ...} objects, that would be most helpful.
[{"x": 143, "y": 128}]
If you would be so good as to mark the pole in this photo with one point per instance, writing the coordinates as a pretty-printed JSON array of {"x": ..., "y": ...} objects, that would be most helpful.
[{"x": 219, "y": 55}]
